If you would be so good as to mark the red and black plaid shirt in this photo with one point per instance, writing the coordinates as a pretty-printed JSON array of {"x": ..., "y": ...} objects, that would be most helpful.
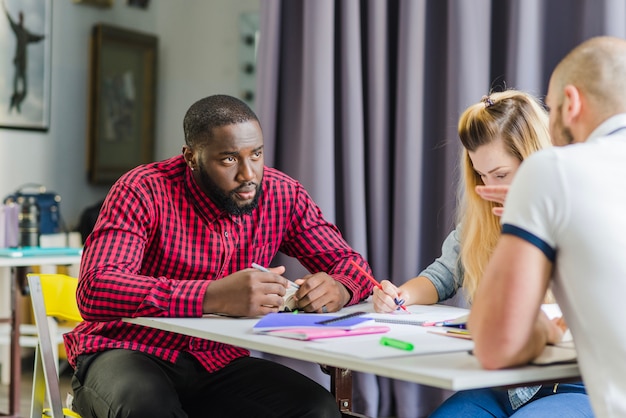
[{"x": 159, "y": 242}]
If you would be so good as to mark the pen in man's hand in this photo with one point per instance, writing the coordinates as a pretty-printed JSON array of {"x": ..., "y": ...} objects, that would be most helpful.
[
  {"x": 260, "y": 268},
  {"x": 266, "y": 270},
  {"x": 399, "y": 302}
]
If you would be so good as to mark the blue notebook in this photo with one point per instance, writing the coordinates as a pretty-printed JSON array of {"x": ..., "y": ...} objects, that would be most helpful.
[
  {"x": 38, "y": 251},
  {"x": 275, "y": 321}
]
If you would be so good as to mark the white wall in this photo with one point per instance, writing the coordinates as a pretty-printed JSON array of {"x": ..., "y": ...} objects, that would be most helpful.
[{"x": 198, "y": 56}]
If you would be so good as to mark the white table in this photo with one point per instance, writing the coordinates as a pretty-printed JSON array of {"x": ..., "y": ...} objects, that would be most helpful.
[
  {"x": 16, "y": 267},
  {"x": 442, "y": 368}
]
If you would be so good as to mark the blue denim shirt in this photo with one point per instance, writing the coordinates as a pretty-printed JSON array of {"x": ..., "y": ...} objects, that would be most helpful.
[{"x": 446, "y": 274}]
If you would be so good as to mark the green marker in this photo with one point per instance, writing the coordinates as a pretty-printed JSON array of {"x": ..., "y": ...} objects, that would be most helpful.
[{"x": 401, "y": 345}]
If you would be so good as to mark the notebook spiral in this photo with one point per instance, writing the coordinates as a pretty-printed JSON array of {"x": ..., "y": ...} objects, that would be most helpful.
[{"x": 341, "y": 318}]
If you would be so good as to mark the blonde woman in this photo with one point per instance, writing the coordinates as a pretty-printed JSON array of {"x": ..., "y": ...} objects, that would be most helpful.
[{"x": 497, "y": 134}]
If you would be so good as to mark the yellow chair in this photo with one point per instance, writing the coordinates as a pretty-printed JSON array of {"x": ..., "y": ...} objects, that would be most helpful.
[{"x": 53, "y": 296}]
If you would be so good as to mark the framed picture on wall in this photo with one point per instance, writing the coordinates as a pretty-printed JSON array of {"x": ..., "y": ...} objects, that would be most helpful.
[
  {"x": 25, "y": 44},
  {"x": 122, "y": 101}
]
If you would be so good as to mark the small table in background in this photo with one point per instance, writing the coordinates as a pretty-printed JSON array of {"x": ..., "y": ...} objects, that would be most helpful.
[{"x": 17, "y": 261}]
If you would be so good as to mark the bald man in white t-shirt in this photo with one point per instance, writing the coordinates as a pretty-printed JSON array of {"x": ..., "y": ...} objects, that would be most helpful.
[{"x": 564, "y": 223}]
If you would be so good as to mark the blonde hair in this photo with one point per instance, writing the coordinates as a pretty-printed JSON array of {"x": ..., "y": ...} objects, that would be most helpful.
[{"x": 519, "y": 120}]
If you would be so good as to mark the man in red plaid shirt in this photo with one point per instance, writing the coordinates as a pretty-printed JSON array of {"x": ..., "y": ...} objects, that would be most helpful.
[{"x": 176, "y": 238}]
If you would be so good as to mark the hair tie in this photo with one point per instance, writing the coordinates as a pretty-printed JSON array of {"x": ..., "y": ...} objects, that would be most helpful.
[{"x": 487, "y": 101}]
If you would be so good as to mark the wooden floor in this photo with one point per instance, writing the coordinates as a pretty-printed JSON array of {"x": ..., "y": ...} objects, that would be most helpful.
[{"x": 26, "y": 386}]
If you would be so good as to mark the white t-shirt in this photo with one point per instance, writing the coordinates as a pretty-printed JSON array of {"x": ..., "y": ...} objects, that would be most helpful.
[{"x": 570, "y": 202}]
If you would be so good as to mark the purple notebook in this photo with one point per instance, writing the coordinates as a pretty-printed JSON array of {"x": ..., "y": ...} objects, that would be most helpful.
[{"x": 274, "y": 321}]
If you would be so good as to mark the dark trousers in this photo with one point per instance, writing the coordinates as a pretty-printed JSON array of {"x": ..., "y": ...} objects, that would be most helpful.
[{"x": 124, "y": 383}]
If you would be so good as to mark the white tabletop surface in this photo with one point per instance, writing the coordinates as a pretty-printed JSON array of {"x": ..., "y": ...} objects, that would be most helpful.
[{"x": 437, "y": 361}]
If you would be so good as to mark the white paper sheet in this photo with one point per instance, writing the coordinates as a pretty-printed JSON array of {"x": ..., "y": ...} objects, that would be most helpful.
[{"x": 368, "y": 346}]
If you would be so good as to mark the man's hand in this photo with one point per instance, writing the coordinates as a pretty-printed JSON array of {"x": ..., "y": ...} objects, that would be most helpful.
[
  {"x": 248, "y": 292},
  {"x": 494, "y": 194},
  {"x": 319, "y": 290}
]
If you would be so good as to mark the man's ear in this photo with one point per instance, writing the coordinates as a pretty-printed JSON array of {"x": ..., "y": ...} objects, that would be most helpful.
[
  {"x": 189, "y": 156},
  {"x": 572, "y": 104}
]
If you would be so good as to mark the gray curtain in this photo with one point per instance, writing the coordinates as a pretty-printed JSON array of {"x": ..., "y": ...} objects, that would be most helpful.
[{"x": 359, "y": 99}]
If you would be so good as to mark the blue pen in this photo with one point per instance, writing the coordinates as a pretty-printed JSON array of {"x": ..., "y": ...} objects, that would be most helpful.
[{"x": 448, "y": 325}]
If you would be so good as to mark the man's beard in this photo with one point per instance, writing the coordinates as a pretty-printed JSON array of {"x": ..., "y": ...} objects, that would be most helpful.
[
  {"x": 225, "y": 200},
  {"x": 565, "y": 134}
]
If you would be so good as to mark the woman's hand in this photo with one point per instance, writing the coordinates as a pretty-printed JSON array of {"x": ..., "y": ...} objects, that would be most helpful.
[{"x": 385, "y": 299}]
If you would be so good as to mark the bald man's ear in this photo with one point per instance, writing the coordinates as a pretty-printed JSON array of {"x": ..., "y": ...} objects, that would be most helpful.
[{"x": 572, "y": 104}]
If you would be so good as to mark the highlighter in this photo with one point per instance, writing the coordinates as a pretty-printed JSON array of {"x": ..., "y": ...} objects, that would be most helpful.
[{"x": 392, "y": 342}]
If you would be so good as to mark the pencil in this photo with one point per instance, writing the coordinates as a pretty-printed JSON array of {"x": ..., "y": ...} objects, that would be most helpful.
[{"x": 374, "y": 282}]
